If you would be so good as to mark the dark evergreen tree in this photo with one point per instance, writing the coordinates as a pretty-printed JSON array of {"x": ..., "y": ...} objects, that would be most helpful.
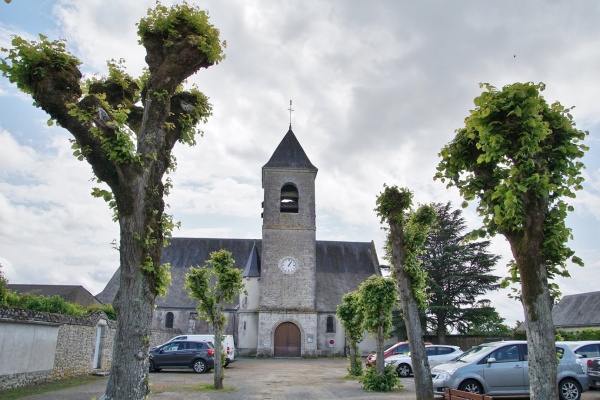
[{"x": 458, "y": 273}]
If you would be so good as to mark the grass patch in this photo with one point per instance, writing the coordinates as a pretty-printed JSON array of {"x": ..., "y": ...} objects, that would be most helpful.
[
  {"x": 202, "y": 387},
  {"x": 47, "y": 387}
]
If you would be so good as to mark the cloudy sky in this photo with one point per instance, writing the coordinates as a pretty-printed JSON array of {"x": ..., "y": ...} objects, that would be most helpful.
[{"x": 378, "y": 88}]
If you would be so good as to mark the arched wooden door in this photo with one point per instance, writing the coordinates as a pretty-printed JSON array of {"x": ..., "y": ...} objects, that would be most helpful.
[{"x": 287, "y": 340}]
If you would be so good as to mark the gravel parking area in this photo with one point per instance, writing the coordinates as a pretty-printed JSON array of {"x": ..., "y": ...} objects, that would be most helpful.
[{"x": 322, "y": 379}]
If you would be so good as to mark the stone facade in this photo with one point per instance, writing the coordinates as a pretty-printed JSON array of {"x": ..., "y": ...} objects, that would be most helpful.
[
  {"x": 288, "y": 233},
  {"x": 269, "y": 321}
]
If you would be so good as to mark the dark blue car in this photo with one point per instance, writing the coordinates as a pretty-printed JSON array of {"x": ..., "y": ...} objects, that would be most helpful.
[{"x": 197, "y": 355}]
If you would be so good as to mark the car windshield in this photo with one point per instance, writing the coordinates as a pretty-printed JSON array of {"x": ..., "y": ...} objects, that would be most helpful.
[{"x": 473, "y": 354}]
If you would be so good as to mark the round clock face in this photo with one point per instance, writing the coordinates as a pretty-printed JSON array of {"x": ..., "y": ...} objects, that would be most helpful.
[{"x": 288, "y": 265}]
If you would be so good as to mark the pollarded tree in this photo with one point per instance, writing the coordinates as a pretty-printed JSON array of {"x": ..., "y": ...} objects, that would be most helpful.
[
  {"x": 214, "y": 285},
  {"x": 406, "y": 235},
  {"x": 458, "y": 273},
  {"x": 126, "y": 128},
  {"x": 518, "y": 156},
  {"x": 377, "y": 298},
  {"x": 351, "y": 316}
]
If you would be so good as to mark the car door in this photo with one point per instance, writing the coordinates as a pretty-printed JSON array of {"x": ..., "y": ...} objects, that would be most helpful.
[
  {"x": 167, "y": 355},
  {"x": 442, "y": 354},
  {"x": 506, "y": 372}
]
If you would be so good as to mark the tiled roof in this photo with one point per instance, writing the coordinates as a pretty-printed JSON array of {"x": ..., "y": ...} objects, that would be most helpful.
[
  {"x": 341, "y": 267},
  {"x": 577, "y": 310},
  {"x": 290, "y": 154}
]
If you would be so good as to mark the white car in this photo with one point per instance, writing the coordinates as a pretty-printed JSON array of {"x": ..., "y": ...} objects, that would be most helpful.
[
  {"x": 586, "y": 349},
  {"x": 436, "y": 353}
]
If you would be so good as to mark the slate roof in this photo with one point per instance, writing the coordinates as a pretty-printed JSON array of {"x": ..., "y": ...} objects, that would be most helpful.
[
  {"x": 71, "y": 293},
  {"x": 577, "y": 311},
  {"x": 290, "y": 154},
  {"x": 341, "y": 267}
]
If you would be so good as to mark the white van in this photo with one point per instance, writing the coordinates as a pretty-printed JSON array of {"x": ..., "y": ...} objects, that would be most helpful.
[{"x": 227, "y": 344}]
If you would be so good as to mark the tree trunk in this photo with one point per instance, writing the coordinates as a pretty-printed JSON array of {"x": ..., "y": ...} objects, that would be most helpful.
[
  {"x": 410, "y": 309},
  {"x": 441, "y": 329},
  {"x": 526, "y": 247},
  {"x": 537, "y": 306},
  {"x": 140, "y": 205},
  {"x": 218, "y": 375},
  {"x": 380, "y": 359},
  {"x": 352, "y": 350}
]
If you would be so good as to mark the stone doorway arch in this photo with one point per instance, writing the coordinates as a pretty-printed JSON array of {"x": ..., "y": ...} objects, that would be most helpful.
[{"x": 287, "y": 340}]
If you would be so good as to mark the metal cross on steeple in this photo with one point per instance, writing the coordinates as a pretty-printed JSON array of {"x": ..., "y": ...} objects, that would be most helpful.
[{"x": 290, "y": 110}]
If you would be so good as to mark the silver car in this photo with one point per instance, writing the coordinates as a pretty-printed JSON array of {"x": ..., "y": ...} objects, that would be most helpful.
[{"x": 500, "y": 368}]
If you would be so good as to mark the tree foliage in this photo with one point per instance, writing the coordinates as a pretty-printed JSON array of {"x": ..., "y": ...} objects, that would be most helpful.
[
  {"x": 458, "y": 273},
  {"x": 3, "y": 287},
  {"x": 485, "y": 320},
  {"x": 519, "y": 157},
  {"x": 126, "y": 128},
  {"x": 214, "y": 285},
  {"x": 377, "y": 299},
  {"x": 351, "y": 317},
  {"x": 407, "y": 233}
]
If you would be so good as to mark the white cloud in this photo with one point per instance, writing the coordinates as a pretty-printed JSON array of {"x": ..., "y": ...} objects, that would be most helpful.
[{"x": 378, "y": 88}]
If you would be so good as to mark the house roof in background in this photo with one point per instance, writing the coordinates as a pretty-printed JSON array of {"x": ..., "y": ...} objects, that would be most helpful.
[
  {"x": 71, "y": 293},
  {"x": 577, "y": 310}
]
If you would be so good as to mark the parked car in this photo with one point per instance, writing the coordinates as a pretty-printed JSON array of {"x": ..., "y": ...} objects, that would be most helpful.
[
  {"x": 227, "y": 344},
  {"x": 593, "y": 372},
  {"x": 500, "y": 368},
  {"x": 437, "y": 354},
  {"x": 198, "y": 355},
  {"x": 585, "y": 349},
  {"x": 397, "y": 349}
]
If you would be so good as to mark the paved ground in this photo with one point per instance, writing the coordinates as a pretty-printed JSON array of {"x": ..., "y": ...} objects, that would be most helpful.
[{"x": 259, "y": 379}]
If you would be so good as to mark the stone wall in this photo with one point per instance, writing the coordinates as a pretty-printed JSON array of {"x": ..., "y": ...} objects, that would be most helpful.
[
  {"x": 74, "y": 346},
  {"x": 33, "y": 352}
]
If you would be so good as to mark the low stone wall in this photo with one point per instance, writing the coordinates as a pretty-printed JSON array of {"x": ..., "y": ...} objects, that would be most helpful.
[
  {"x": 71, "y": 351},
  {"x": 37, "y": 347}
]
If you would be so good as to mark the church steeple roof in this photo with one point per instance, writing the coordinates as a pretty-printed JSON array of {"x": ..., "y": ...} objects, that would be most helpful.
[
  {"x": 290, "y": 154},
  {"x": 252, "y": 269}
]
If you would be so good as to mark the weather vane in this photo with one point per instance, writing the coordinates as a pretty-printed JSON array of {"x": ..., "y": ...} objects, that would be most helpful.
[{"x": 290, "y": 110}]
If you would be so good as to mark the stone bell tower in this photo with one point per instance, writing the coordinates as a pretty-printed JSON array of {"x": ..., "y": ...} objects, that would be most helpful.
[{"x": 287, "y": 311}]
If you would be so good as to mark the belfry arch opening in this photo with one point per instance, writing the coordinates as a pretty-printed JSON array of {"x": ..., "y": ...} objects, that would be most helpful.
[{"x": 289, "y": 199}]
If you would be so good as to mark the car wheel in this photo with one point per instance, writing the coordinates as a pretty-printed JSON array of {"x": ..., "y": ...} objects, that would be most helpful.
[
  {"x": 569, "y": 389},
  {"x": 153, "y": 368},
  {"x": 471, "y": 386},
  {"x": 226, "y": 364},
  {"x": 199, "y": 366},
  {"x": 403, "y": 370}
]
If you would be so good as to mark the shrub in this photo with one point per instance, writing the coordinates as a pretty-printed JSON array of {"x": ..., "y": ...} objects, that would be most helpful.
[
  {"x": 355, "y": 368},
  {"x": 584, "y": 334},
  {"x": 54, "y": 304},
  {"x": 375, "y": 383},
  {"x": 106, "y": 308}
]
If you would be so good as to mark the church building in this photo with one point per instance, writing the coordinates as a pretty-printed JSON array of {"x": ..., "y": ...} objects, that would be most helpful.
[{"x": 293, "y": 281}]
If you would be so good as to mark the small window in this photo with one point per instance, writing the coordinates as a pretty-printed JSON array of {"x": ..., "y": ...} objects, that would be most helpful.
[
  {"x": 169, "y": 320},
  {"x": 289, "y": 199},
  {"x": 330, "y": 324}
]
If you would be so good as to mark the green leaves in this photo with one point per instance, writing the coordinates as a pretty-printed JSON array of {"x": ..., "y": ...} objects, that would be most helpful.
[
  {"x": 171, "y": 22},
  {"x": 377, "y": 299},
  {"x": 28, "y": 60},
  {"x": 514, "y": 149},
  {"x": 214, "y": 284}
]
